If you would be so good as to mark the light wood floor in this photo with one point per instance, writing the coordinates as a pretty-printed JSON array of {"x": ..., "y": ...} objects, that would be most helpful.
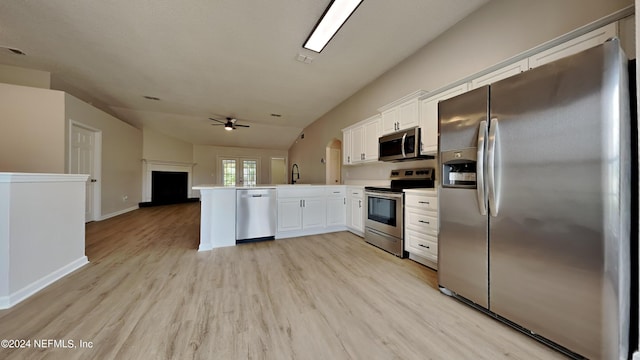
[{"x": 148, "y": 294}]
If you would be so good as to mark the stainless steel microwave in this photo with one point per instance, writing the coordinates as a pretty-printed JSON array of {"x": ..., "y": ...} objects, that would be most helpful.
[{"x": 401, "y": 145}]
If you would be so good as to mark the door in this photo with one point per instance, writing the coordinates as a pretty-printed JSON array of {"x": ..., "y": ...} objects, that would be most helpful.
[
  {"x": 557, "y": 229},
  {"x": 463, "y": 262},
  {"x": 336, "y": 211},
  {"x": 313, "y": 213},
  {"x": 289, "y": 214},
  {"x": 239, "y": 171},
  {"x": 356, "y": 213},
  {"x": 82, "y": 160},
  {"x": 278, "y": 171}
]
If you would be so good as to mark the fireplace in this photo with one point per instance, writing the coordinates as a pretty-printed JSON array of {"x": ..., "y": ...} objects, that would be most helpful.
[
  {"x": 166, "y": 182},
  {"x": 168, "y": 187}
]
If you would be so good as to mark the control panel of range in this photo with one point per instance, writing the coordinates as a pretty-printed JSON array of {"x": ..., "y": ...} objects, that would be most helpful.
[{"x": 413, "y": 174}]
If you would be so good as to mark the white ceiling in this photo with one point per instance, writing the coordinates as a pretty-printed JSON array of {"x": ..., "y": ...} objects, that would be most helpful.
[{"x": 206, "y": 58}]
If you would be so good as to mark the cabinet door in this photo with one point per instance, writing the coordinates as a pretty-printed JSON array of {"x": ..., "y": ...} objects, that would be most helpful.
[
  {"x": 289, "y": 214},
  {"x": 356, "y": 214},
  {"x": 390, "y": 121},
  {"x": 574, "y": 46},
  {"x": 408, "y": 115},
  {"x": 429, "y": 118},
  {"x": 371, "y": 135},
  {"x": 336, "y": 211},
  {"x": 346, "y": 146},
  {"x": 502, "y": 73},
  {"x": 313, "y": 213},
  {"x": 357, "y": 144}
]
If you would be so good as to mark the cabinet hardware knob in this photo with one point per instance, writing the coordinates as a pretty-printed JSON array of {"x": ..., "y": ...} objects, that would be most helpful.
[
  {"x": 424, "y": 246},
  {"x": 423, "y": 202},
  {"x": 424, "y": 222}
]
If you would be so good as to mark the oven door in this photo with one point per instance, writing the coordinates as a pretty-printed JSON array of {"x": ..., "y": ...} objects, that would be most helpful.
[{"x": 384, "y": 212}]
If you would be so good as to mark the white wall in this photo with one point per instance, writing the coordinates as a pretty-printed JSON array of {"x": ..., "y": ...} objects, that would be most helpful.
[
  {"x": 497, "y": 31},
  {"x": 206, "y": 172},
  {"x": 41, "y": 231},
  {"x": 26, "y": 77},
  {"x": 121, "y": 156},
  {"x": 158, "y": 146},
  {"x": 31, "y": 129}
]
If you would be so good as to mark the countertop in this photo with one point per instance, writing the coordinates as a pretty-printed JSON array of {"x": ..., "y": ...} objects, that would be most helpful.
[
  {"x": 428, "y": 191},
  {"x": 266, "y": 186}
]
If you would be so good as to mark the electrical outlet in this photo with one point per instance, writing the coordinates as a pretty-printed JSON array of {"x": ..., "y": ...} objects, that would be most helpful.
[{"x": 125, "y": 198}]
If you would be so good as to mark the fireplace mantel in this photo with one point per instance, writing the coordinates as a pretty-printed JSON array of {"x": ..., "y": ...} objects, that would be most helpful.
[{"x": 148, "y": 166}]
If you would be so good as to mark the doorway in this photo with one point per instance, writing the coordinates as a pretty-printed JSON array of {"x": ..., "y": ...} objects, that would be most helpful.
[
  {"x": 278, "y": 171},
  {"x": 333, "y": 163},
  {"x": 238, "y": 171},
  {"x": 85, "y": 147}
]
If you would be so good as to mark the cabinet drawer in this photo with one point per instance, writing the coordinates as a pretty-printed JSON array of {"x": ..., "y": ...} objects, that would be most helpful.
[
  {"x": 424, "y": 202},
  {"x": 422, "y": 245},
  {"x": 420, "y": 220},
  {"x": 300, "y": 191},
  {"x": 335, "y": 191},
  {"x": 357, "y": 192}
]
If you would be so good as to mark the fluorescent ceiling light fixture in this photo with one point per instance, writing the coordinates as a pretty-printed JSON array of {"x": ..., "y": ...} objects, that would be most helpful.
[{"x": 331, "y": 21}]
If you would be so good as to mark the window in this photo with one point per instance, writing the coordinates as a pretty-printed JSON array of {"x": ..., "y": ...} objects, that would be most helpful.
[{"x": 228, "y": 172}]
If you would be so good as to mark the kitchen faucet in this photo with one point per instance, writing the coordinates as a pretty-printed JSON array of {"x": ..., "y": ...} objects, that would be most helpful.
[{"x": 295, "y": 171}]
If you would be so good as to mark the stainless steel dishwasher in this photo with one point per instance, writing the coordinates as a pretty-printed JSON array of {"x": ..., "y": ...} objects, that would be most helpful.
[{"x": 255, "y": 214}]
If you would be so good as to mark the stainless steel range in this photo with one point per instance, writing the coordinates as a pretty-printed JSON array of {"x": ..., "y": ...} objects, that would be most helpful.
[{"x": 384, "y": 224}]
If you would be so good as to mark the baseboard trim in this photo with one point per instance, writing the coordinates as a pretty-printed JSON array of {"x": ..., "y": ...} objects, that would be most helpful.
[
  {"x": 27, "y": 291},
  {"x": 308, "y": 232},
  {"x": 120, "y": 212}
]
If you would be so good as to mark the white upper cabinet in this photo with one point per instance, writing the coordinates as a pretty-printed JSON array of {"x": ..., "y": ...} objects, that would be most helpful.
[
  {"x": 346, "y": 146},
  {"x": 574, "y": 46},
  {"x": 502, "y": 73},
  {"x": 429, "y": 118},
  {"x": 360, "y": 141},
  {"x": 371, "y": 134},
  {"x": 401, "y": 114},
  {"x": 357, "y": 144}
]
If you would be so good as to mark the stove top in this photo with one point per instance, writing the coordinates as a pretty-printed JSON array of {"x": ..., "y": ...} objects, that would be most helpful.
[{"x": 407, "y": 179}]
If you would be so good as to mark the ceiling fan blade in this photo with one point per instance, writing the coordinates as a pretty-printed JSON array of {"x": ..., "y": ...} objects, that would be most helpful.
[
  {"x": 241, "y": 125},
  {"x": 220, "y": 121}
]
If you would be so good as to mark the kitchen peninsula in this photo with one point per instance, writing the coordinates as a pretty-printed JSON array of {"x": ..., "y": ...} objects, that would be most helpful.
[{"x": 300, "y": 210}]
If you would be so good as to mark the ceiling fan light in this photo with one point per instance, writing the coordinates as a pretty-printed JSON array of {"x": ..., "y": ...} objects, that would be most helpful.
[
  {"x": 331, "y": 21},
  {"x": 228, "y": 127}
]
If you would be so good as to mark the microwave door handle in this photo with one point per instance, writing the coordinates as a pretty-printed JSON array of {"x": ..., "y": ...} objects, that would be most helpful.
[
  {"x": 404, "y": 138},
  {"x": 480, "y": 171}
]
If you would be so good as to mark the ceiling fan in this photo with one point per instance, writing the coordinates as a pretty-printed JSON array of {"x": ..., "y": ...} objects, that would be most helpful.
[{"x": 229, "y": 124}]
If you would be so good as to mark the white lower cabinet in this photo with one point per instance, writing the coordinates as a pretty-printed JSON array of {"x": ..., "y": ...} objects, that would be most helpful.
[
  {"x": 355, "y": 209},
  {"x": 289, "y": 214},
  {"x": 313, "y": 212},
  {"x": 421, "y": 226},
  {"x": 336, "y": 206},
  {"x": 307, "y": 210}
]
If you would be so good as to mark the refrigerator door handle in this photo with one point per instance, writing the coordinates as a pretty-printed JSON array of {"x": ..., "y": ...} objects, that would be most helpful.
[
  {"x": 492, "y": 179},
  {"x": 481, "y": 188}
]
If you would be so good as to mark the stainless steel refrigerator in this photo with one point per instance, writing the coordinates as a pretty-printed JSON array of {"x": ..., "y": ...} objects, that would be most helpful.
[{"x": 535, "y": 201}]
